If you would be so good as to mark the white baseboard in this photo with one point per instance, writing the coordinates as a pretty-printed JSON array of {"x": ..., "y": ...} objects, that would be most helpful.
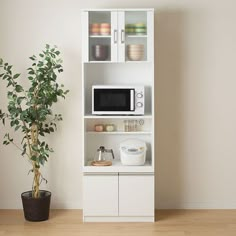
[
  {"x": 119, "y": 219},
  {"x": 196, "y": 205}
]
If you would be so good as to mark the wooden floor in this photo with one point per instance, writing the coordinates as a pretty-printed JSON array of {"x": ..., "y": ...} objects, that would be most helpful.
[{"x": 168, "y": 223}]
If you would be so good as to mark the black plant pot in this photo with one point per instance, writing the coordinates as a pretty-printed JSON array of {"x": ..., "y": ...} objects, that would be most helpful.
[{"x": 36, "y": 209}]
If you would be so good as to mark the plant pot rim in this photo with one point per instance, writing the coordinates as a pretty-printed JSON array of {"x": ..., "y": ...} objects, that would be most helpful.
[{"x": 26, "y": 194}]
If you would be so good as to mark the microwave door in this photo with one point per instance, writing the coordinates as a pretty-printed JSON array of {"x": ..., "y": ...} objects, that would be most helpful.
[{"x": 113, "y": 100}]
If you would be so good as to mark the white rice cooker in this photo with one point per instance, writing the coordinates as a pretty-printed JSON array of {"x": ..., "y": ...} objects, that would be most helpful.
[{"x": 133, "y": 152}]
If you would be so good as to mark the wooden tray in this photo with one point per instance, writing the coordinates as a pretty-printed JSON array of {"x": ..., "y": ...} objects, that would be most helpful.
[{"x": 101, "y": 163}]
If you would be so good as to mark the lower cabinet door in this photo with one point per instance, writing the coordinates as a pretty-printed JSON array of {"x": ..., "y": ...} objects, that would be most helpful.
[
  {"x": 136, "y": 195},
  {"x": 100, "y": 195}
]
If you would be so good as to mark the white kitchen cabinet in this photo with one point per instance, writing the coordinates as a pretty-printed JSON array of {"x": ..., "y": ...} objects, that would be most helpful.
[
  {"x": 136, "y": 195},
  {"x": 101, "y": 195},
  {"x": 118, "y": 197},
  {"x": 117, "y": 192},
  {"x": 118, "y": 39}
]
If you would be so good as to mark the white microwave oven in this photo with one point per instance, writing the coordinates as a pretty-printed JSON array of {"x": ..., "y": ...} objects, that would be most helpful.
[{"x": 117, "y": 100}]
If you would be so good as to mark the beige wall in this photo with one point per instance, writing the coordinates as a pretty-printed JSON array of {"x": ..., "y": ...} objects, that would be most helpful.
[{"x": 195, "y": 83}]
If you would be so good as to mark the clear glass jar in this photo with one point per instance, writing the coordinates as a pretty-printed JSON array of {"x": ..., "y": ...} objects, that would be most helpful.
[
  {"x": 126, "y": 125},
  {"x": 131, "y": 125},
  {"x": 110, "y": 127},
  {"x": 99, "y": 127},
  {"x": 135, "y": 125}
]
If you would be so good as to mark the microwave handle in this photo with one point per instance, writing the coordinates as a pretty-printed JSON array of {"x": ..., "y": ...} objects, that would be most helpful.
[{"x": 132, "y": 97}]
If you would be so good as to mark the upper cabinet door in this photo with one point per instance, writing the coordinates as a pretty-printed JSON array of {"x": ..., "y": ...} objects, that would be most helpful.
[
  {"x": 136, "y": 29},
  {"x": 100, "y": 36},
  {"x": 118, "y": 36}
]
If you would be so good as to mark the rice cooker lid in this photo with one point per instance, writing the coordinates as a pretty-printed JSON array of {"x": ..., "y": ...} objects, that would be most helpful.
[{"x": 133, "y": 146}]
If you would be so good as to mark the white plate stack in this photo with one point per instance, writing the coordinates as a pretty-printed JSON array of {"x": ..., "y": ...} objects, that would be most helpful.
[{"x": 135, "y": 52}]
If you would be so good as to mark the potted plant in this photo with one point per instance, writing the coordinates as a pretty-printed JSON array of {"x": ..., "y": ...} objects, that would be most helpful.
[{"x": 29, "y": 112}]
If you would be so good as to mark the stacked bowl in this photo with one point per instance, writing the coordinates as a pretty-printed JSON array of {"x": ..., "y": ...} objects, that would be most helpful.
[
  {"x": 140, "y": 28},
  {"x": 100, "y": 29},
  {"x": 105, "y": 29},
  {"x": 95, "y": 29},
  {"x": 135, "y": 52},
  {"x": 136, "y": 29}
]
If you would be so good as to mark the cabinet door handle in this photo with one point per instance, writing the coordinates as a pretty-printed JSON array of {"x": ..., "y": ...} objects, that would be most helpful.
[
  {"x": 122, "y": 36},
  {"x": 115, "y": 36}
]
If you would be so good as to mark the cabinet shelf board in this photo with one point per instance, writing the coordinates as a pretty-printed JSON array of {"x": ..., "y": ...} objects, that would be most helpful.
[
  {"x": 118, "y": 167},
  {"x": 127, "y": 61},
  {"x": 136, "y": 36},
  {"x": 148, "y": 116},
  {"x": 100, "y": 62},
  {"x": 99, "y": 36},
  {"x": 118, "y": 9},
  {"x": 118, "y": 132},
  {"x": 138, "y": 62}
]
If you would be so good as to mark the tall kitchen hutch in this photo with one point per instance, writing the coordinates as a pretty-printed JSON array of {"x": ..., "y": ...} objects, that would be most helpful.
[{"x": 118, "y": 50}]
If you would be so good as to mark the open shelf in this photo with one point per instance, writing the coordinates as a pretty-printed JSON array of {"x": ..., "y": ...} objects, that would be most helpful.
[
  {"x": 118, "y": 167},
  {"x": 148, "y": 116},
  {"x": 118, "y": 132}
]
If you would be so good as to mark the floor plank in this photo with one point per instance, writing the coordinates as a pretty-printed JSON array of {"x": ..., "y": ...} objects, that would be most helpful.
[{"x": 168, "y": 223}]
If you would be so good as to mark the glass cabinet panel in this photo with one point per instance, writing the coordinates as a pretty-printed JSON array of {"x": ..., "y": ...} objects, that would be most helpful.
[
  {"x": 99, "y": 36},
  {"x": 119, "y": 36},
  {"x": 136, "y": 36}
]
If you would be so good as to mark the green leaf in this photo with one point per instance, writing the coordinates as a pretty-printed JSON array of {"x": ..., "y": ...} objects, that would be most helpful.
[
  {"x": 42, "y": 144},
  {"x": 6, "y": 76},
  {"x": 33, "y": 158},
  {"x": 19, "y": 88},
  {"x": 9, "y": 95},
  {"x": 33, "y": 58},
  {"x": 17, "y": 127},
  {"x": 24, "y": 151},
  {"x": 51, "y": 129},
  {"x": 54, "y": 99},
  {"x": 16, "y": 76},
  {"x": 47, "y": 131},
  {"x": 20, "y": 99},
  {"x": 5, "y": 142},
  {"x": 42, "y": 159},
  {"x": 37, "y": 166}
]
